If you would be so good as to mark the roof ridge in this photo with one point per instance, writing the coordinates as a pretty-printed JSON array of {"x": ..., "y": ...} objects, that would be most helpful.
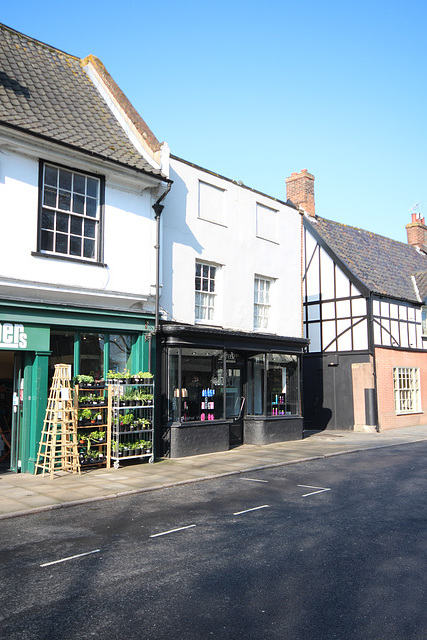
[
  {"x": 5, "y": 27},
  {"x": 373, "y": 233},
  {"x": 123, "y": 101}
]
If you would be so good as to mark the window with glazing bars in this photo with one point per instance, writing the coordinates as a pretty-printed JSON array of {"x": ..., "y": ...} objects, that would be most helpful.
[
  {"x": 69, "y": 217},
  {"x": 261, "y": 302},
  {"x": 205, "y": 291},
  {"x": 406, "y": 381}
]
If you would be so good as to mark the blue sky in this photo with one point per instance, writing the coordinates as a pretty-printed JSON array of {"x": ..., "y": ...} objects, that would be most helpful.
[{"x": 257, "y": 90}]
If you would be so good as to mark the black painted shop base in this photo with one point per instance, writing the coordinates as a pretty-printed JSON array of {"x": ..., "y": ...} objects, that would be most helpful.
[{"x": 191, "y": 439}]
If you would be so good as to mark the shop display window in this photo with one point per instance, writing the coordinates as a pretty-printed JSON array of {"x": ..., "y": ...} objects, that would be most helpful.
[
  {"x": 282, "y": 385},
  {"x": 255, "y": 387},
  {"x": 62, "y": 349},
  {"x": 120, "y": 352},
  {"x": 199, "y": 396},
  {"x": 92, "y": 354}
]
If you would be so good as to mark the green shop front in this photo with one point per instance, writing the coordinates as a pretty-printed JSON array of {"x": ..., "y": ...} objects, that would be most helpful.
[
  {"x": 35, "y": 337},
  {"x": 224, "y": 388}
]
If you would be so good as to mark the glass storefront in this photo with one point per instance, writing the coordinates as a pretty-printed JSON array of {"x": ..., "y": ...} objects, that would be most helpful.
[
  {"x": 120, "y": 352},
  {"x": 92, "y": 353},
  {"x": 62, "y": 349},
  {"x": 196, "y": 384},
  {"x": 255, "y": 386},
  {"x": 198, "y": 392},
  {"x": 282, "y": 385}
]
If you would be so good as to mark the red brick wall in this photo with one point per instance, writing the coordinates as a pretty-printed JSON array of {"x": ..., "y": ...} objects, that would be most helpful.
[
  {"x": 300, "y": 190},
  {"x": 417, "y": 232},
  {"x": 385, "y": 360}
]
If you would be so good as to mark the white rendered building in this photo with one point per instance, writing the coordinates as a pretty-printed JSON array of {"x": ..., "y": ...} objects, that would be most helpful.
[{"x": 231, "y": 301}]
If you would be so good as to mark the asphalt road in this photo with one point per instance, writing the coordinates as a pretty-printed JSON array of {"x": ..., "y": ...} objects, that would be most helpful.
[{"x": 328, "y": 549}]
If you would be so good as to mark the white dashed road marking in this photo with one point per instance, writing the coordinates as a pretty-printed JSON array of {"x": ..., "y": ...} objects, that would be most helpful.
[
  {"x": 165, "y": 533},
  {"x": 307, "y": 486},
  {"x": 80, "y": 555},
  {"x": 239, "y": 513}
]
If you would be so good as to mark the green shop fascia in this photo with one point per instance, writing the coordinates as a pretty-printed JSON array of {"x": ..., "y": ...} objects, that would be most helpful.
[{"x": 35, "y": 337}]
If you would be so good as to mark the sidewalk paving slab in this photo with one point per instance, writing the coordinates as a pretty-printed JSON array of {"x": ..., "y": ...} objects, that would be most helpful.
[{"x": 22, "y": 494}]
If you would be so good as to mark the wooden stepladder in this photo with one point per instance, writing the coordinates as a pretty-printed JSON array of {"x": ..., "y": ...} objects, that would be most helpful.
[{"x": 58, "y": 449}]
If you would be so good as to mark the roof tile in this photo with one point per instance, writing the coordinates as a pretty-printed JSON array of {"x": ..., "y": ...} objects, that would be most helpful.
[
  {"x": 383, "y": 265},
  {"x": 45, "y": 91}
]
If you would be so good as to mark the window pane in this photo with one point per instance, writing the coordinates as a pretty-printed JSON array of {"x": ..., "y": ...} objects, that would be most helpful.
[
  {"x": 261, "y": 303},
  {"x": 92, "y": 187},
  {"x": 202, "y": 385},
  {"x": 62, "y": 222},
  {"x": 282, "y": 385},
  {"x": 92, "y": 354},
  {"x": 76, "y": 225},
  {"x": 120, "y": 352},
  {"x": 89, "y": 248},
  {"x": 90, "y": 227},
  {"x": 62, "y": 350},
  {"x": 50, "y": 175},
  {"x": 64, "y": 200},
  {"x": 78, "y": 204},
  {"x": 91, "y": 207},
  {"x": 75, "y": 246},
  {"x": 49, "y": 197},
  {"x": 256, "y": 367},
  {"x": 48, "y": 219},
  {"x": 61, "y": 243},
  {"x": 174, "y": 393},
  {"x": 47, "y": 241},
  {"x": 79, "y": 183},
  {"x": 65, "y": 179}
]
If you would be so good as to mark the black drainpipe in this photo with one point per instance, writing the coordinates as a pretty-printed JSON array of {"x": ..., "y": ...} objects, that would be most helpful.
[{"x": 158, "y": 208}]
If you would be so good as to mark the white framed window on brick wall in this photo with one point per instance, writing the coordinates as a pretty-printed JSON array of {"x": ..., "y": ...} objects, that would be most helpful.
[
  {"x": 205, "y": 292},
  {"x": 70, "y": 213},
  {"x": 406, "y": 384},
  {"x": 262, "y": 288}
]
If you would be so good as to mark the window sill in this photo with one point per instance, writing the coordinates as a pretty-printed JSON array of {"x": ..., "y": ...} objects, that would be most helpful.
[
  {"x": 271, "y": 240},
  {"x": 51, "y": 256},
  {"x": 409, "y": 413}
]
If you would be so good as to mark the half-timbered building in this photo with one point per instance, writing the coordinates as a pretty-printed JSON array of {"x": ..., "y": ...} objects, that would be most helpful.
[{"x": 363, "y": 296}]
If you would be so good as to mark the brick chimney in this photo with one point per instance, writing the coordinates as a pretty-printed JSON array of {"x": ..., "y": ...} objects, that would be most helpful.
[
  {"x": 417, "y": 232},
  {"x": 300, "y": 190}
]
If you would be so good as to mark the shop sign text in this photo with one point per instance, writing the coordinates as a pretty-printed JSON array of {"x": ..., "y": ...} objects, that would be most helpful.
[{"x": 12, "y": 336}]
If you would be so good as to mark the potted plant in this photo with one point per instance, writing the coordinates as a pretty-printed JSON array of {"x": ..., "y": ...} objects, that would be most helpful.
[
  {"x": 127, "y": 421},
  {"x": 83, "y": 381},
  {"x": 84, "y": 416}
]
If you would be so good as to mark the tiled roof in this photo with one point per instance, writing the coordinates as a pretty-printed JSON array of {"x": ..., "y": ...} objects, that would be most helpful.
[
  {"x": 383, "y": 265},
  {"x": 45, "y": 91},
  {"x": 421, "y": 280}
]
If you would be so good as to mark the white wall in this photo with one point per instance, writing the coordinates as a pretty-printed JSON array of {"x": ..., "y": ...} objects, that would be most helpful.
[
  {"x": 232, "y": 243},
  {"x": 397, "y": 325},
  {"x": 335, "y": 312},
  {"x": 129, "y": 233}
]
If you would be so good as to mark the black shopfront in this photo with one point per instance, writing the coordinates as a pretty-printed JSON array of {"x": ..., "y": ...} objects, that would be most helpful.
[{"x": 224, "y": 388}]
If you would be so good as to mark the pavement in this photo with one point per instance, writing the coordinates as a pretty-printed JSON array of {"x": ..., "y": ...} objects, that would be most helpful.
[{"x": 23, "y": 493}]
